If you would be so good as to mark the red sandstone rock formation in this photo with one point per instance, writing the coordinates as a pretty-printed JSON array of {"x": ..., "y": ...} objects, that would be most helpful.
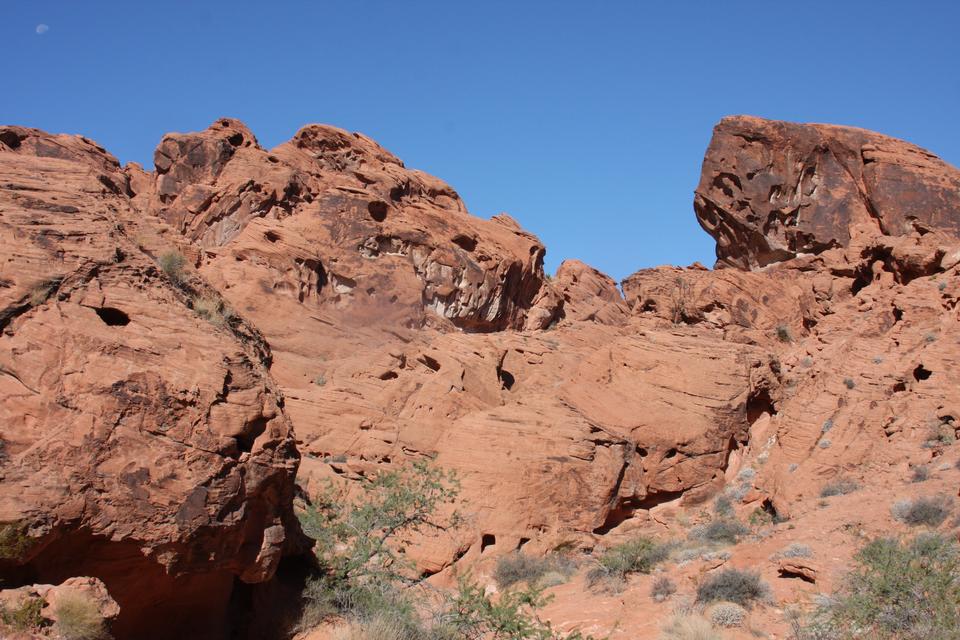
[
  {"x": 142, "y": 445},
  {"x": 770, "y": 191},
  {"x": 373, "y": 313}
]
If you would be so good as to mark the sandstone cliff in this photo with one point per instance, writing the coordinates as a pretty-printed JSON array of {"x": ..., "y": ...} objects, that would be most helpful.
[{"x": 334, "y": 294}]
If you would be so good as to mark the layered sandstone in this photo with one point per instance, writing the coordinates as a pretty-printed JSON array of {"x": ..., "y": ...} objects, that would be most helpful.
[
  {"x": 142, "y": 445},
  {"x": 363, "y": 308}
]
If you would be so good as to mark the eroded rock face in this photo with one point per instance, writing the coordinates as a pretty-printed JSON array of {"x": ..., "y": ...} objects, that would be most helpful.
[
  {"x": 771, "y": 190},
  {"x": 332, "y": 218},
  {"x": 142, "y": 445},
  {"x": 384, "y": 323}
]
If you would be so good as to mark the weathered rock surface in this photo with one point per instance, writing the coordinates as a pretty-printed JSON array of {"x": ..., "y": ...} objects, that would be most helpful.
[
  {"x": 142, "y": 445},
  {"x": 372, "y": 313},
  {"x": 771, "y": 190},
  {"x": 331, "y": 216},
  {"x": 88, "y": 595}
]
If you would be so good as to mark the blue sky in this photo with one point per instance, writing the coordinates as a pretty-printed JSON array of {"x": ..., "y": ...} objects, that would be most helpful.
[{"x": 586, "y": 121}]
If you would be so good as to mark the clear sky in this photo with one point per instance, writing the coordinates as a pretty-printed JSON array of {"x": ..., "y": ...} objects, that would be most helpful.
[{"x": 586, "y": 121}]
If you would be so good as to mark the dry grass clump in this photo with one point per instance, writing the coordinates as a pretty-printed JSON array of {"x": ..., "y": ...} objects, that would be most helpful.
[
  {"x": 727, "y": 614},
  {"x": 839, "y": 487},
  {"x": 213, "y": 310},
  {"x": 686, "y": 626},
  {"x": 520, "y": 567},
  {"x": 78, "y": 617},
  {"x": 662, "y": 588},
  {"x": 173, "y": 264}
]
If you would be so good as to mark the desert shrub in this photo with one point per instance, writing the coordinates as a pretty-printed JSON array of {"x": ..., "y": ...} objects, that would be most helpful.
[
  {"x": 745, "y": 474},
  {"x": 732, "y": 585},
  {"x": 376, "y": 628},
  {"x": 25, "y": 616},
  {"x": 173, "y": 263},
  {"x": 366, "y": 578},
  {"x": 14, "y": 540},
  {"x": 320, "y": 381},
  {"x": 474, "y": 615},
  {"x": 783, "y": 333},
  {"x": 722, "y": 530},
  {"x": 796, "y": 550},
  {"x": 849, "y": 383},
  {"x": 78, "y": 617},
  {"x": 41, "y": 291},
  {"x": 839, "y": 487},
  {"x": 689, "y": 627},
  {"x": 897, "y": 590},
  {"x": 941, "y": 434},
  {"x": 213, "y": 310},
  {"x": 519, "y": 567},
  {"x": 925, "y": 510},
  {"x": 825, "y": 443},
  {"x": 727, "y": 614},
  {"x": 723, "y": 507},
  {"x": 639, "y": 555},
  {"x": 662, "y": 588},
  {"x": 827, "y": 425},
  {"x": 920, "y": 473}
]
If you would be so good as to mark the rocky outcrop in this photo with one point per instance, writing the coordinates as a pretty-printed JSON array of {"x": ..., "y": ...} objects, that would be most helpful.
[
  {"x": 589, "y": 295},
  {"x": 78, "y": 607},
  {"x": 332, "y": 218},
  {"x": 326, "y": 289},
  {"x": 143, "y": 445},
  {"x": 770, "y": 191}
]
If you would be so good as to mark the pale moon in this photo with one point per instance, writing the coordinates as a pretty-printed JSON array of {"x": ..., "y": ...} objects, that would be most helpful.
[{"x": 42, "y": 29}]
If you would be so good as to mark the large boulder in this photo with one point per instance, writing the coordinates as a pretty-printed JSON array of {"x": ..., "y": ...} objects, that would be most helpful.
[
  {"x": 143, "y": 444},
  {"x": 772, "y": 190}
]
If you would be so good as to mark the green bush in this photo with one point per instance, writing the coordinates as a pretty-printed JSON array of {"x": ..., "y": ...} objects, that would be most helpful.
[
  {"x": 25, "y": 616},
  {"x": 902, "y": 591},
  {"x": 732, "y": 585},
  {"x": 839, "y": 487},
  {"x": 173, "y": 263},
  {"x": 639, "y": 555},
  {"x": 925, "y": 510},
  {"x": 472, "y": 614},
  {"x": 78, "y": 618},
  {"x": 365, "y": 575},
  {"x": 14, "y": 540}
]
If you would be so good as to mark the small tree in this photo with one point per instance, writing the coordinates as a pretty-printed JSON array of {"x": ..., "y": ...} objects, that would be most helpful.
[
  {"x": 365, "y": 577},
  {"x": 357, "y": 534}
]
